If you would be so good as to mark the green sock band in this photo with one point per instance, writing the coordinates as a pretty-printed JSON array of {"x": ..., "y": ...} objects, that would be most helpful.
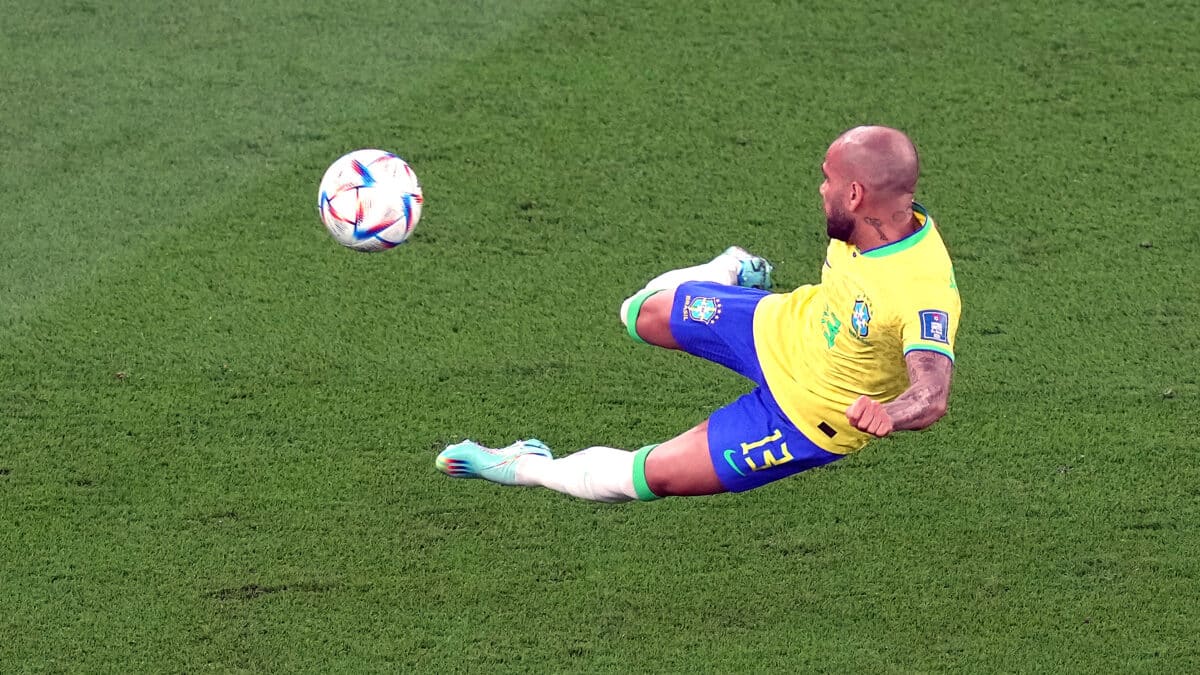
[
  {"x": 640, "y": 486},
  {"x": 635, "y": 308}
]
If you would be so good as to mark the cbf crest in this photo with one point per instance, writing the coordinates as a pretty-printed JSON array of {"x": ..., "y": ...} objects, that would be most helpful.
[
  {"x": 702, "y": 309},
  {"x": 860, "y": 318}
]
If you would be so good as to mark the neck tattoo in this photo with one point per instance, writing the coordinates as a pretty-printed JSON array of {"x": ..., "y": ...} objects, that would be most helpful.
[{"x": 878, "y": 225}]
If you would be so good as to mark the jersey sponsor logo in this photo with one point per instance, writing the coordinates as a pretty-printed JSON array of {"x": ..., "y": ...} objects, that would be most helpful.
[
  {"x": 702, "y": 309},
  {"x": 935, "y": 325},
  {"x": 860, "y": 319}
]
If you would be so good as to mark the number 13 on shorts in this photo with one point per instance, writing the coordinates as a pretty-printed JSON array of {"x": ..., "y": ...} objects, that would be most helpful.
[
  {"x": 767, "y": 456},
  {"x": 744, "y": 458}
]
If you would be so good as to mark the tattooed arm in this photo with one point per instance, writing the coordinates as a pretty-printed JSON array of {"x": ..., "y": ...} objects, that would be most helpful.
[{"x": 922, "y": 404}]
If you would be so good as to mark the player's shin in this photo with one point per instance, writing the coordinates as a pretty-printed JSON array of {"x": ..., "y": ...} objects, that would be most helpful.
[{"x": 598, "y": 474}]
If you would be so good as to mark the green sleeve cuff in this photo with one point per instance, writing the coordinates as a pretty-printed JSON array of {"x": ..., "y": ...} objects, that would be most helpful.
[{"x": 930, "y": 348}]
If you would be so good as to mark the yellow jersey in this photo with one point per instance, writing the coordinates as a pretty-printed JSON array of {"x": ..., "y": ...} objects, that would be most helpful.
[{"x": 822, "y": 346}]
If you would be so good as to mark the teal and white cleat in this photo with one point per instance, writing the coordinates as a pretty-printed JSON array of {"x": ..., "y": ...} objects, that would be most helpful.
[
  {"x": 469, "y": 459},
  {"x": 755, "y": 271}
]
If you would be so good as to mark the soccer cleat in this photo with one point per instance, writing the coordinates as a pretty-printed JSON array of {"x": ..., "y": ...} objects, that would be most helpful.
[
  {"x": 754, "y": 271},
  {"x": 469, "y": 459}
]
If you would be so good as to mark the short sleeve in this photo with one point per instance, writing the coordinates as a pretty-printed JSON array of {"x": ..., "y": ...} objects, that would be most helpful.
[{"x": 930, "y": 322}]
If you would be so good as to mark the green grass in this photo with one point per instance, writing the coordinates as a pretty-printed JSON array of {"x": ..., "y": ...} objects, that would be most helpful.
[{"x": 217, "y": 428}]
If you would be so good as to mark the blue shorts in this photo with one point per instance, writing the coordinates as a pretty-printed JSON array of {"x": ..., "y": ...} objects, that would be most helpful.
[{"x": 750, "y": 441}]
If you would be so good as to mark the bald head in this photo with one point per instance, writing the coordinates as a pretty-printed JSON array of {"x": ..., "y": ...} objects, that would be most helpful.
[{"x": 882, "y": 159}]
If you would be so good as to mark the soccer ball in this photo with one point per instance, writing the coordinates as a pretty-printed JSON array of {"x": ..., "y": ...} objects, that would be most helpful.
[{"x": 369, "y": 200}]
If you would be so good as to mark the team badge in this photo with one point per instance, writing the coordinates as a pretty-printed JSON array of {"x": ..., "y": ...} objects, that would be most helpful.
[
  {"x": 702, "y": 309},
  {"x": 935, "y": 325},
  {"x": 860, "y": 320}
]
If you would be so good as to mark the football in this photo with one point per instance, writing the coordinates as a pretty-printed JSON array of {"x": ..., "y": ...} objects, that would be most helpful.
[{"x": 369, "y": 200}]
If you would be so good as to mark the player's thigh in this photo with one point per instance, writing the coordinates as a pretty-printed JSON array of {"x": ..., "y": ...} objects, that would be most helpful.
[
  {"x": 741, "y": 446},
  {"x": 753, "y": 443},
  {"x": 716, "y": 322},
  {"x": 681, "y": 467}
]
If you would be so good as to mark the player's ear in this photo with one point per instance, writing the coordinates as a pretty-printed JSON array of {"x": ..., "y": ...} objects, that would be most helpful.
[{"x": 856, "y": 195}]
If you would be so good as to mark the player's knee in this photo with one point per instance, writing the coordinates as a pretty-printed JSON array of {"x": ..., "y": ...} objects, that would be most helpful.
[
  {"x": 637, "y": 305},
  {"x": 647, "y": 317},
  {"x": 654, "y": 319}
]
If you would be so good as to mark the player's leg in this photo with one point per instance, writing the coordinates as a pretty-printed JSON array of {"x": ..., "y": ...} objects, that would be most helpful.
[
  {"x": 680, "y": 467},
  {"x": 648, "y": 318},
  {"x": 599, "y": 473},
  {"x": 743, "y": 445},
  {"x": 646, "y": 313},
  {"x": 705, "y": 319},
  {"x": 735, "y": 266}
]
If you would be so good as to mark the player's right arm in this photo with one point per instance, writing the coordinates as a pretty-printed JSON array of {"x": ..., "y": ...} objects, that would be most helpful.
[
  {"x": 928, "y": 394},
  {"x": 923, "y": 403}
]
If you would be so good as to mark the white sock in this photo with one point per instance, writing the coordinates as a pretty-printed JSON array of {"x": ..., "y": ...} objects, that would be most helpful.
[
  {"x": 722, "y": 269},
  {"x": 600, "y": 474}
]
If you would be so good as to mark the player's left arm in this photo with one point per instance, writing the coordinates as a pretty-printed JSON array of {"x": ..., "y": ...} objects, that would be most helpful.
[{"x": 923, "y": 403}]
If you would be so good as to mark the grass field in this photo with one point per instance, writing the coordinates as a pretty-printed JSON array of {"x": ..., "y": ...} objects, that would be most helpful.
[{"x": 217, "y": 428}]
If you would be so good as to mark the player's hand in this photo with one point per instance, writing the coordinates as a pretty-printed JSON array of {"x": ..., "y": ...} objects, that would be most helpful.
[{"x": 867, "y": 414}]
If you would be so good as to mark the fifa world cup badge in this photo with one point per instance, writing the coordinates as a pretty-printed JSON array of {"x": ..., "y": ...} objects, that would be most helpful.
[
  {"x": 935, "y": 325},
  {"x": 702, "y": 309}
]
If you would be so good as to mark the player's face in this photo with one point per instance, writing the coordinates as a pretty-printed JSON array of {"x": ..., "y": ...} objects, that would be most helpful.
[{"x": 838, "y": 223}]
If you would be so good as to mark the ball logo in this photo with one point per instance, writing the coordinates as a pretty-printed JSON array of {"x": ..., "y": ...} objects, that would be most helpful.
[{"x": 702, "y": 309}]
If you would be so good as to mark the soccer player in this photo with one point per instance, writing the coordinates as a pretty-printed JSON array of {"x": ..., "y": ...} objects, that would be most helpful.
[{"x": 866, "y": 352}]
